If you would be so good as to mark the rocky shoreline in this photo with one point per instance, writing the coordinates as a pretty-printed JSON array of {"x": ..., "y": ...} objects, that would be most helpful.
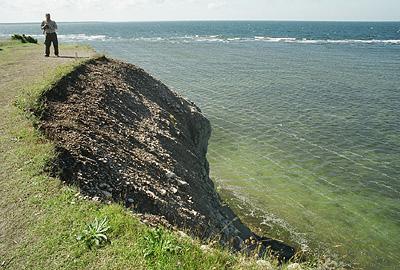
[{"x": 123, "y": 136}]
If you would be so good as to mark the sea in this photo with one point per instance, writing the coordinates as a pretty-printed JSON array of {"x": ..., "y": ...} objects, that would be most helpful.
[{"x": 305, "y": 117}]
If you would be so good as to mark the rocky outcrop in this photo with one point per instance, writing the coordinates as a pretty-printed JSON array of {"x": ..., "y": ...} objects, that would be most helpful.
[{"x": 123, "y": 136}]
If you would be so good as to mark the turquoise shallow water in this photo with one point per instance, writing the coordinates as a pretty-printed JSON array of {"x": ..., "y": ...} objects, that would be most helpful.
[{"x": 305, "y": 121}]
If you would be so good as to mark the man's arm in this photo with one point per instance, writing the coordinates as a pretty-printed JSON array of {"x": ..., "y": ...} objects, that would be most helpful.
[
  {"x": 42, "y": 25},
  {"x": 55, "y": 26}
]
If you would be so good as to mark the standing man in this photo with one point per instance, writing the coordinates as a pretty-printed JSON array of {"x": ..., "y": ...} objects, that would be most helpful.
[{"x": 49, "y": 28}]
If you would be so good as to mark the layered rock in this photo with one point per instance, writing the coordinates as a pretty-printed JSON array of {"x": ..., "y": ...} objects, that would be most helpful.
[{"x": 123, "y": 136}]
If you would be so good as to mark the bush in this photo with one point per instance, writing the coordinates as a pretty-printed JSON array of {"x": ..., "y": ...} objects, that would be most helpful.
[{"x": 24, "y": 39}]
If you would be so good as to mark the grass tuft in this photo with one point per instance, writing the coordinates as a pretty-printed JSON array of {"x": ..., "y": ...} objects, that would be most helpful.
[{"x": 159, "y": 243}]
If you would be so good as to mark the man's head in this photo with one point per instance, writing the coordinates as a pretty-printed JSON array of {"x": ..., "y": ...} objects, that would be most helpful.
[{"x": 48, "y": 16}]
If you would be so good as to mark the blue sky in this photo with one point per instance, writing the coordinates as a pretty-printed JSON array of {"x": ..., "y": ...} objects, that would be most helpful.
[{"x": 155, "y": 10}]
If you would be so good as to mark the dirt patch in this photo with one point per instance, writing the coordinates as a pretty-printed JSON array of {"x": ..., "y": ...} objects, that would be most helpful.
[{"x": 123, "y": 136}]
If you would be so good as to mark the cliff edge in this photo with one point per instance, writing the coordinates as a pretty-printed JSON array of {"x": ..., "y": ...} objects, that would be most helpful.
[{"x": 123, "y": 136}]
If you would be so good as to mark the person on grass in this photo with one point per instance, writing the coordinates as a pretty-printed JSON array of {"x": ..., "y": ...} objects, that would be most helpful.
[{"x": 49, "y": 28}]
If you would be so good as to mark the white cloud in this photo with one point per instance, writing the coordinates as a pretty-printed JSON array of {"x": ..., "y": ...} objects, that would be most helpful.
[
  {"x": 216, "y": 4},
  {"x": 145, "y": 10}
]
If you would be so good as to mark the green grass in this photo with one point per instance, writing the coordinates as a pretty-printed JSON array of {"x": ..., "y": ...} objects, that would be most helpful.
[
  {"x": 11, "y": 44},
  {"x": 43, "y": 217}
]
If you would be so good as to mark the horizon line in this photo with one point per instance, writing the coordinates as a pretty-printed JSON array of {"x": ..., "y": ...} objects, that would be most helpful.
[{"x": 217, "y": 20}]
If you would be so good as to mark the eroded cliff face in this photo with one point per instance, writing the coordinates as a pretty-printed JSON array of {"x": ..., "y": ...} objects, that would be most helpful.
[{"x": 123, "y": 136}]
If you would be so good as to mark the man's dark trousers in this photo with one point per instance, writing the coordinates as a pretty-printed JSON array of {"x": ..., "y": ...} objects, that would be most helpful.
[{"x": 51, "y": 37}]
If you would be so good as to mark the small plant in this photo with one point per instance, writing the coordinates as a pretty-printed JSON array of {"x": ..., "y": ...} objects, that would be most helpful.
[
  {"x": 158, "y": 242},
  {"x": 94, "y": 235}
]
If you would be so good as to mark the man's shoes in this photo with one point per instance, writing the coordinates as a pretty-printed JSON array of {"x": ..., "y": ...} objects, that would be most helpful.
[
  {"x": 57, "y": 55},
  {"x": 46, "y": 55}
]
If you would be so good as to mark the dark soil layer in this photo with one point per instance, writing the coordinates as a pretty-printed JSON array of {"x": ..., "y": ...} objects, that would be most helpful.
[{"x": 123, "y": 136}]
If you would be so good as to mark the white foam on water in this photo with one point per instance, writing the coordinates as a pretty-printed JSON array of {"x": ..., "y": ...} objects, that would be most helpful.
[
  {"x": 82, "y": 37},
  {"x": 327, "y": 41},
  {"x": 275, "y": 39},
  {"x": 68, "y": 37},
  {"x": 270, "y": 220},
  {"x": 353, "y": 41},
  {"x": 219, "y": 38}
]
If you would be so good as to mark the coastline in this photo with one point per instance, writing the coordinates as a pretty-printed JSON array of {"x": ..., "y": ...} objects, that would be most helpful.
[
  {"x": 80, "y": 199},
  {"x": 304, "y": 146},
  {"x": 163, "y": 166}
]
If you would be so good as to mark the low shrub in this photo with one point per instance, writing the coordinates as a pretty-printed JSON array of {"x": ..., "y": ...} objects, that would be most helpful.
[{"x": 24, "y": 39}]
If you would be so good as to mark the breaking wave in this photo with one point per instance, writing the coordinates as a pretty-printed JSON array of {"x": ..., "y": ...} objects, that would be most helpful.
[
  {"x": 223, "y": 39},
  {"x": 218, "y": 38},
  {"x": 68, "y": 37}
]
